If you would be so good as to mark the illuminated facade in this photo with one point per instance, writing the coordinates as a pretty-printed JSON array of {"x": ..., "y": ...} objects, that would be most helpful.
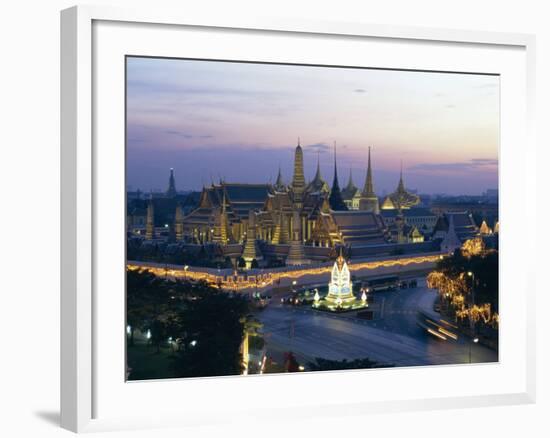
[{"x": 295, "y": 215}]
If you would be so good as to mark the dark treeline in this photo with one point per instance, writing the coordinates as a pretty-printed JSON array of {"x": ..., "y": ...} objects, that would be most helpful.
[{"x": 203, "y": 323}]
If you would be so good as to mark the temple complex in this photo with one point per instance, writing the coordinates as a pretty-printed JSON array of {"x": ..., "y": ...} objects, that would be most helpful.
[{"x": 296, "y": 222}]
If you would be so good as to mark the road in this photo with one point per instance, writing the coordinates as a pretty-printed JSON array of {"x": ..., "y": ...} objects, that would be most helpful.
[{"x": 393, "y": 338}]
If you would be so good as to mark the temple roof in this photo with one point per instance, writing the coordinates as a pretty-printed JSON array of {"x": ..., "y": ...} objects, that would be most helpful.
[
  {"x": 411, "y": 212},
  {"x": 463, "y": 222},
  {"x": 279, "y": 185},
  {"x": 240, "y": 199},
  {"x": 350, "y": 190},
  {"x": 401, "y": 198},
  {"x": 360, "y": 227},
  {"x": 318, "y": 184}
]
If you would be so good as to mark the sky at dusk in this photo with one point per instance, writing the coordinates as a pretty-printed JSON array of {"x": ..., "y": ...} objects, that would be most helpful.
[{"x": 240, "y": 122}]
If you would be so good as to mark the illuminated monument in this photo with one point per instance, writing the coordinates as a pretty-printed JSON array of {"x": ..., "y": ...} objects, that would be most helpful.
[{"x": 340, "y": 295}]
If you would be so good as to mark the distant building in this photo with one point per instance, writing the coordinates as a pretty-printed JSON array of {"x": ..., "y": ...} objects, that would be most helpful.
[
  {"x": 163, "y": 206},
  {"x": 421, "y": 218},
  {"x": 463, "y": 225}
]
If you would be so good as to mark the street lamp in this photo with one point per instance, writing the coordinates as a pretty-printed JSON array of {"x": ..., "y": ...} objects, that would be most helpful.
[
  {"x": 475, "y": 341},
  {"x": 472, "y": 299}
]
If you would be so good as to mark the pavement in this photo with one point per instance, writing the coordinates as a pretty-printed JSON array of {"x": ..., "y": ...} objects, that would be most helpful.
[{"x": 393, "y": 338}]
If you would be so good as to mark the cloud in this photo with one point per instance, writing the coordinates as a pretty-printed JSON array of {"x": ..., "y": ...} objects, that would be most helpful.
[
  {"x": 485, "y": 161},
  {"x": 179, "y": 134},
  {"x": 187, "y": 135},
  {"x": 474, "y": 164},
  {"x": 359, "y": 90},
  {"x": 319, "y": 147}
]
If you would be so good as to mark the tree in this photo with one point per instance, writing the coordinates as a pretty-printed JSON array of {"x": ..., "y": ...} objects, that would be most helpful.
[
  {"x": 144, "y": 296},
  {"x": 204, "y": 318},
  {"x": 214, "y": 336},
  {"x": 291, "y": 364},
  {"x": 241, "y": 263},
  {"x": 321, "y": 364},
  {"x": 254, "y": 264},
  {"x": 468, "y": 276},
  {"x": 159, "y": 333}
]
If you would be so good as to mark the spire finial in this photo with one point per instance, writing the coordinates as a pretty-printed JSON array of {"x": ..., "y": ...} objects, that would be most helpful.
[
  {"x": 335, "y": 198},
  {"x": 298, "y": 180},
  {"x": 401, "y": 185},
  {"x": 368, "y": 188}
]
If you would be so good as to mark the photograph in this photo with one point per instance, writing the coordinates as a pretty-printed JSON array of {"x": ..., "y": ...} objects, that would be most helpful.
[{"x": 289, "y": 218}]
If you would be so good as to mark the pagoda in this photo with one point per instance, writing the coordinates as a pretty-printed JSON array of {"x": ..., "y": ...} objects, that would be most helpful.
[
  {"x": 251, "y": 251},
  {"x": 369, "y": 200},
  {"x": 400, "y": 200},
  {"x": 335, "y": 198},
  {"x": 296, "y": 253},
  {"x": 171, "y": 192},
  {"x": 340, "y": 295}
]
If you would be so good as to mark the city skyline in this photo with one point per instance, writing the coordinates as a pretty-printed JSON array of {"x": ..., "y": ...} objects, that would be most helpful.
[{"x": 211, "y": 120}]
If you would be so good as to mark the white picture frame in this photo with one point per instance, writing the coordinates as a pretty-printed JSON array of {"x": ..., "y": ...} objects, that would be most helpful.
[{"x": 80, "y": 341}]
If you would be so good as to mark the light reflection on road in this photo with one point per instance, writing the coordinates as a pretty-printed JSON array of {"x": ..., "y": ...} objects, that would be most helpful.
[{"x": 393, "y": 339}]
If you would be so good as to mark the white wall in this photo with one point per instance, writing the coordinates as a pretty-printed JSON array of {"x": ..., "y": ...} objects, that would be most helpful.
[{"x": 29, "y": 219}]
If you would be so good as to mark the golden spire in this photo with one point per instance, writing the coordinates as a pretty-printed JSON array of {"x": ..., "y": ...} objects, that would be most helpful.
[
  {"x": 340, "y": 260},
  {"x": 298, "y": 179}
]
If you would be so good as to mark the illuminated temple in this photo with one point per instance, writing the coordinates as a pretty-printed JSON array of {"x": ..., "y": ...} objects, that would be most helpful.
[
  {"x": 297, "y": 213},
  {"x": 297, "y": 223}
]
